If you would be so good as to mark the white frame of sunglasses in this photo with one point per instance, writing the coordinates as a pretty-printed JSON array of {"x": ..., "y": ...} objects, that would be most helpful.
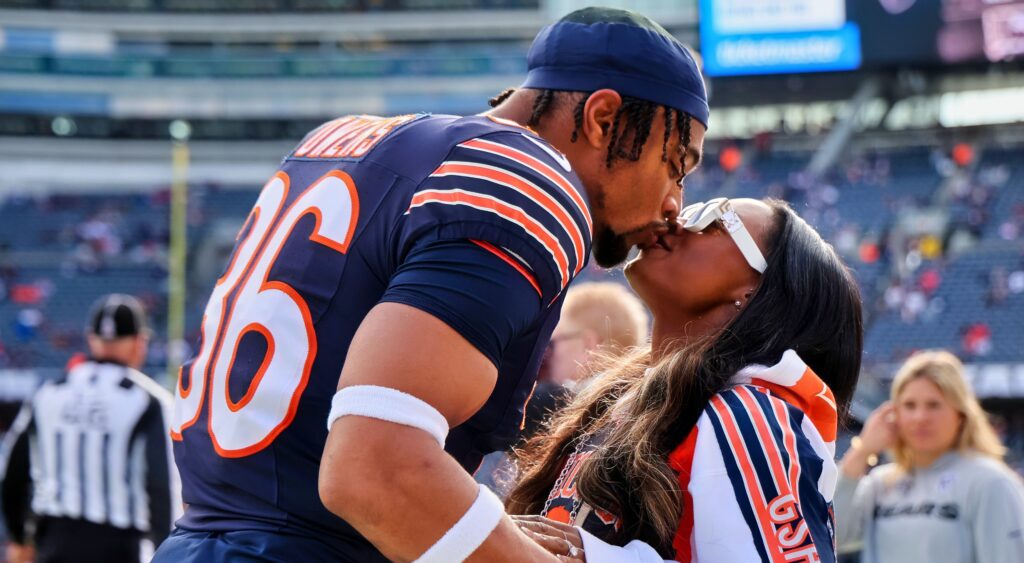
[{"x": 698, "y": 216}]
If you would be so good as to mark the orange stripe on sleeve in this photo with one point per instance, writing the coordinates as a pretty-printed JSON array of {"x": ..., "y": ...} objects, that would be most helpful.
[
  {"x": 812, "y": 396},
  {"x": 526, "y": 188},
  {"x": 540, "y": 166},
  {"x": 511, "y": 262},
  {"x": 766, "y": 438},
  {"x": 750, "y": 479},
  {"x": 502, "y": 209},
  {"x": 789, "y": 439}
]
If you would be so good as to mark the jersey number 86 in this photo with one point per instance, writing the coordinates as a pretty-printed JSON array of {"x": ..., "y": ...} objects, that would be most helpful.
[{"x": 244, "y": 300}]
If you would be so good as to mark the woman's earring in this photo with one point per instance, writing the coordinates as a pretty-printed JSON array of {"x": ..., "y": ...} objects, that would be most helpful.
[{"x": 739, "y": 304}]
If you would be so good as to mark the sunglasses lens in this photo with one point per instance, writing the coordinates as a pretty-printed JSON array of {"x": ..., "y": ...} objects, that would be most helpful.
[
  {"x": 690, "y": 210},
  {"x": 707, "y": 215},
  {"x": 701, "y": 218}
]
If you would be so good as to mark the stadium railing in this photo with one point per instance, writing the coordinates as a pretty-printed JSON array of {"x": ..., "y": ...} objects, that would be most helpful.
[{"x": 506, "y": 60}]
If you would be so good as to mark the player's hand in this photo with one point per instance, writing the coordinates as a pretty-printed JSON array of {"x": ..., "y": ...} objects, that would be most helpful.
[
  {"x": 17, "y": 553},
  {"x": 879, "y": 433},
  {"x": 562, "y": 540}
]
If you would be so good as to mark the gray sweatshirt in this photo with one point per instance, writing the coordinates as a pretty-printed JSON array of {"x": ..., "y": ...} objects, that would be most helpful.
[{"x": 961, "y": 509}]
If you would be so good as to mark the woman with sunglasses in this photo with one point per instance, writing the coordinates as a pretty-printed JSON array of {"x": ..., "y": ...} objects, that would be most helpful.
[{"x": 717, "y": 442}]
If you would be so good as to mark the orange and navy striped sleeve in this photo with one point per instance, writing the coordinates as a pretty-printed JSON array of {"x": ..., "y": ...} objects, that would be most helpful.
[
  {"x": 517, "y": 198},
  {"x": 772, "y": 458}
]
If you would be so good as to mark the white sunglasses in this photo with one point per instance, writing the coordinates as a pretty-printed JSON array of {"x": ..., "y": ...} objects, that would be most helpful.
[{"x": 698, "y": 216}]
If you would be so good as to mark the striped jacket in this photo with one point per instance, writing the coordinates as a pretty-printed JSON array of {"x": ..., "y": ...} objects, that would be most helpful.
[{"x": 757, "y": 473}]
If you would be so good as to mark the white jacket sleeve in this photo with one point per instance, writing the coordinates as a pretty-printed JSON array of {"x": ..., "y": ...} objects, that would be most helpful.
[
  {"x": 761, "y": 482},
  {"x": 720, "y": 531},
  {"x": 636, "y": 551}
]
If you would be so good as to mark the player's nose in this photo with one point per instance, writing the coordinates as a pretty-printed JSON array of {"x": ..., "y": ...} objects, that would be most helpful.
[{"x": 671, "y": 204}]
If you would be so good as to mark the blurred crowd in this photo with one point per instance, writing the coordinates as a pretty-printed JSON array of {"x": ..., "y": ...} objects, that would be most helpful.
[{"x": 64, "y": 240}]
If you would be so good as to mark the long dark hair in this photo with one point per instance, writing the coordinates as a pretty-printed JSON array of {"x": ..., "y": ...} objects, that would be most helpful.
[{"x": 806, "y": 300}]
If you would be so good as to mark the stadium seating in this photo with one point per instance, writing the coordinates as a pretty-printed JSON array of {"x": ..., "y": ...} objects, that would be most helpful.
[
  {"x": 865, "y": 203},
  {"x": 870, "y": 204}
]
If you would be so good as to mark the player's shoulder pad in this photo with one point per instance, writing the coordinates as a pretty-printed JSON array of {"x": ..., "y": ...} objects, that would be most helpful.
[{"x": 505, "y": 175}]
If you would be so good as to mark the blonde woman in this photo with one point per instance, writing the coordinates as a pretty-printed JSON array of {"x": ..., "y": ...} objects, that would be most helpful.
[{"x": 947, "y": 496}]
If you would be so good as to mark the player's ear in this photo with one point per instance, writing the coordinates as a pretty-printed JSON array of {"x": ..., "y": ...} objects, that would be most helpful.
[{"x": 599, "y": 118}]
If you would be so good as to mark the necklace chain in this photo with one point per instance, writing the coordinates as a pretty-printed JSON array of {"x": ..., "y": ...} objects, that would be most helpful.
[{"x": 575, "y": 505}]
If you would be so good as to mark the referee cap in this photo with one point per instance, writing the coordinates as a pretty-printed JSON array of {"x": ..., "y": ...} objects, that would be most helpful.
[
  {"x": 595, "y": 48},
  {"x": 117, "y": 316}
]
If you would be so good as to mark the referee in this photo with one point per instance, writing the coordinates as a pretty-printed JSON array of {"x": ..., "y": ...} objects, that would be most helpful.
[{"x": 89, "y": 472}]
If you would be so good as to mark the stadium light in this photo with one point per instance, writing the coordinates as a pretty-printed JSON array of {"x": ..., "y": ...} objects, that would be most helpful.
[
  {"x": 180, "y": 130},
  {"x": 63, "y": 126}
]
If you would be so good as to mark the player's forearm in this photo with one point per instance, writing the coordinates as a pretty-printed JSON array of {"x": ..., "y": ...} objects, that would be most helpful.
[{"x": 402, "y": 492}]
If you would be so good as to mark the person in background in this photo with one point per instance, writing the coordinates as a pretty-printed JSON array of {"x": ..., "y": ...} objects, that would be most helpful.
[
  {"x": 598, "y": 319},
  {"x": 88, "y": 472},
  {"x": 948, "y": 496}
]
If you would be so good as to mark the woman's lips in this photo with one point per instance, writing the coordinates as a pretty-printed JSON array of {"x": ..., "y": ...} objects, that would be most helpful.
[{"x": 655, "y": 241}]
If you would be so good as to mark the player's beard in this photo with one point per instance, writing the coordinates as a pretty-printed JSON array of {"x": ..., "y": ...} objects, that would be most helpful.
[{"x": 610, "y": 248}]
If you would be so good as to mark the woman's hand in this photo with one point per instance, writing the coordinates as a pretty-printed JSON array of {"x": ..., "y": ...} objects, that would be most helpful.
[
  {"x": 878, "y": 435},
  {"x": 562, "y": 540}
]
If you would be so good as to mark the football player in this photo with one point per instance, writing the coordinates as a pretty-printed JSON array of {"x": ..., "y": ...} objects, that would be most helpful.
[{"x": 423, "y": 259}]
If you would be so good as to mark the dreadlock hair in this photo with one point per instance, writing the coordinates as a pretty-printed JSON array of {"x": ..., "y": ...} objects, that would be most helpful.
[
  {"x": 500, "y": 98},
  {"x": 630, "y": 129}
]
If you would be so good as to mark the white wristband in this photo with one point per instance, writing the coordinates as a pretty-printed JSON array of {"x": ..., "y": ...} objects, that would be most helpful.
[
  {"x": 462, "y": 539},
  {"x": 392, "y": 405}
]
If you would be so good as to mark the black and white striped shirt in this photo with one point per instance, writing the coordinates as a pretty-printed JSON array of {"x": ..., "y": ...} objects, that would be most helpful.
[{"x": 93, "y": 446}]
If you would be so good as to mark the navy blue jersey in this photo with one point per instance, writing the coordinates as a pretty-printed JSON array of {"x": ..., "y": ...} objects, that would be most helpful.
[{"x": 475, "y": 220}]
